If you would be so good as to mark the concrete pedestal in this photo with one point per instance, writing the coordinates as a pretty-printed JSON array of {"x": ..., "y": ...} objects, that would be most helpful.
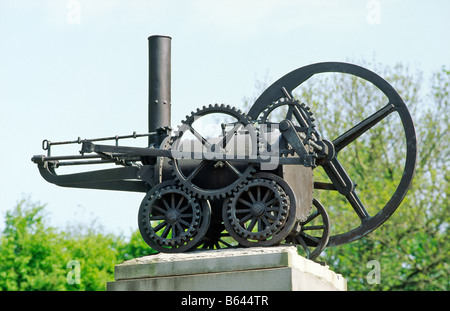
[{"x": 244, "y": 269}]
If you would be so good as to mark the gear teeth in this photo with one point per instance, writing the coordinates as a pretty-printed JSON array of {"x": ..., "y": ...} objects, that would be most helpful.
[
  {"x": 242, "y": 234},
  {"x": 181, "y": 237},
  {"x": 262, "y": 119},
  {"x": 178, "y": 174}
]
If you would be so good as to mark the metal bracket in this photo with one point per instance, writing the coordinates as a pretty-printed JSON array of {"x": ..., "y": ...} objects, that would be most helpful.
[{"x": 290, "y": 134}]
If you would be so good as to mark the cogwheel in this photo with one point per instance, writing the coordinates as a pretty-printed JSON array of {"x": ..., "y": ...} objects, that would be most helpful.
[
  {"x": 168, "y": 217},
  {"x": 297, "y": 112},
  {"x": 257, "y": 211},
  {"x": 216, "y": 151}
]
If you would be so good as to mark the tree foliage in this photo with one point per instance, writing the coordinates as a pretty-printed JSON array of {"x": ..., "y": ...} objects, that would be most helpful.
[
  {"x": 36, "y": 256},
  {"x": 26, "y": 249}
]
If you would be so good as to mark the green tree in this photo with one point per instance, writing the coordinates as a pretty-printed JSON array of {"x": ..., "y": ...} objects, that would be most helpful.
[
  {"x": 36, "y": 256},
  {"x": 95, "y": 252},
  {"x": 28, "y": 251},
  {"x": 134, "y": 248}
]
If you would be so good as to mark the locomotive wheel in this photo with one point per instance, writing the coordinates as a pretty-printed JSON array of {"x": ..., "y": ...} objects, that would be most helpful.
[
  {"x": 247, "y": 224},
  {"x": 333, "y": 168},
  {"x": 171, "y": 220},
  {"x": 314, "y": 232},
  {"x": 256, "y": 212}
]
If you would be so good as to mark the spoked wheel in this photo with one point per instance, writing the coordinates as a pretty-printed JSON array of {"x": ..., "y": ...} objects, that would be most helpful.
[
  {"x": 314, "y": 232},
  {"x": 213, "y": 152},
  {"x": 171, "y": 220},
  {"x": 256, "y": 212},
  {"x": 262, "y": 212},
  {"x": 340, "y": 180}
]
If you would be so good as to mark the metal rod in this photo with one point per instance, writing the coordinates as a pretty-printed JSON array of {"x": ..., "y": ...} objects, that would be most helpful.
[
  {"x": 71, "y": 163},
  {"x": 159, "y": 99},
  {"x": 362, "y": 127},
  {"x": 210, "y": 156},
  {"x": 71, "y": 157},
  {"x": 46, "y": 143}
]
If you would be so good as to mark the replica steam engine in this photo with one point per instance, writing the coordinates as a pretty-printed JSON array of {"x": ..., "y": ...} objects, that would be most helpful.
[{"x": 225, "y": 178}]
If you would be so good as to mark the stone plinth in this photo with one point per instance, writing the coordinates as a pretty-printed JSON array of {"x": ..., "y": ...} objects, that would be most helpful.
[{"x": 243, "y": 269}]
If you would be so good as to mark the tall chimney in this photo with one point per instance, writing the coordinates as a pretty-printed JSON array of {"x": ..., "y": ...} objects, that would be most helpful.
[{"x": 159, "y": 99}]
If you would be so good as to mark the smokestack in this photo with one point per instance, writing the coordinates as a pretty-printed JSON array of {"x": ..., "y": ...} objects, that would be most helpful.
[{"x": 159, "y": 99}]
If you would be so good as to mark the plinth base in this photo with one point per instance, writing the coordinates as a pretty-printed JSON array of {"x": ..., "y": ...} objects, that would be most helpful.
[{"x": 244, "y": 269}]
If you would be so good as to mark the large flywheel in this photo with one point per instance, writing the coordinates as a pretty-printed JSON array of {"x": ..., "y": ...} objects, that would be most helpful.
[{"x": 340, "y": 180}]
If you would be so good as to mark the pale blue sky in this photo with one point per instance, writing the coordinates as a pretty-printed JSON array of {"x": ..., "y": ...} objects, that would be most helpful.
[{"x": 66, "y": 73}]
